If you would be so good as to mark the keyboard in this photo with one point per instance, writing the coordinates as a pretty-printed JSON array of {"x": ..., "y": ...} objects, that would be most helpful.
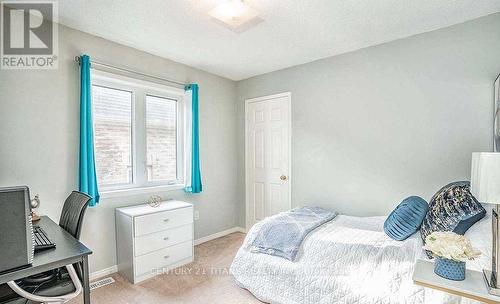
[{"x": 42, "y": 241}]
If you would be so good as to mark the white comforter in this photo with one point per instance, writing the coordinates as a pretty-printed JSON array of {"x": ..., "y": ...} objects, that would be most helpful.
[{"x": 347, "y": 260}]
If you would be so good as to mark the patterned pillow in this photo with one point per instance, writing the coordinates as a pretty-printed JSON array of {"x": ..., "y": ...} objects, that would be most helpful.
[
  {"x": 405, "y": 220},
  {"x": 452, "y": 208}
]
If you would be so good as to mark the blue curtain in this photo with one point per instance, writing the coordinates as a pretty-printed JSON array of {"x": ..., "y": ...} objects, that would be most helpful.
[
  {"x": 87, "y": 175},
  {"x": 194, "y": 186}
]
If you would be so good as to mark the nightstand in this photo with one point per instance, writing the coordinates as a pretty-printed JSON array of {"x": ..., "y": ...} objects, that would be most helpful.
[{"x": 473, "y": 287}]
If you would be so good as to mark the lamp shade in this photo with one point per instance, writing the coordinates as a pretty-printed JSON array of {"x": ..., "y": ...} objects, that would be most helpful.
[{"x": 485, "y": 177}]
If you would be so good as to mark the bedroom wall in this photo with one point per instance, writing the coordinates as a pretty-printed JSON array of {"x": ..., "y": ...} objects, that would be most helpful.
[
  {"x": 39, "y": 138},
  {"x": 374, "y": 126}
]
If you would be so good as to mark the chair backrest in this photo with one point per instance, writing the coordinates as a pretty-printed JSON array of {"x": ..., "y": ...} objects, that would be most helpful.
[{"x": 73, "y": 211}]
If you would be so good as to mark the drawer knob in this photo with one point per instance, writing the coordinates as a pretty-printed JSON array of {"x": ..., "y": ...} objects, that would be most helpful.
[
  {"x": 166, "y": 238},
  {"x": 166, "y": 220},
  {"x": 166, "y": 257}
]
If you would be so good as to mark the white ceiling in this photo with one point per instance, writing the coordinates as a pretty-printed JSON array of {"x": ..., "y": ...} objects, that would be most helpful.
[{"x": 293, "y": 31}]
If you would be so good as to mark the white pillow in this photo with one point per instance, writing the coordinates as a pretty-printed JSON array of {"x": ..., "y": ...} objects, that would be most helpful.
[{"x": 480, "y": 236}]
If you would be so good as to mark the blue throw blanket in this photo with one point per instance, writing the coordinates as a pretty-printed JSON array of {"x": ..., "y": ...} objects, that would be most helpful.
[{"x": 282, "y": 234}]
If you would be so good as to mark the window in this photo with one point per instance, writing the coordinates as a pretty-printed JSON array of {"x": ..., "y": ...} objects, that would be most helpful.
[
  {"x": 161, "y": 134},
  {"x": 138, "y": 133},
  {"x": 112, "y": 135}
]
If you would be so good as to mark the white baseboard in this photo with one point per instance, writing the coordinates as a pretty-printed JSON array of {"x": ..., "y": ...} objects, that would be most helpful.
[
  {"x": 103, "y": 272},
  {"x": 113, "y": 269},
  {"x": 218, "y": 235},
  {"x": 241, "y": 229}
]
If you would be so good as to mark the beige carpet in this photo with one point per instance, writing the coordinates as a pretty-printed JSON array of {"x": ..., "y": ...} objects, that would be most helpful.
[{"x": 206, "y": 280}]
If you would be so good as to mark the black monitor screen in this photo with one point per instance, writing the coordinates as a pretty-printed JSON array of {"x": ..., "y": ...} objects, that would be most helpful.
[{"x": 15, "y": 234}]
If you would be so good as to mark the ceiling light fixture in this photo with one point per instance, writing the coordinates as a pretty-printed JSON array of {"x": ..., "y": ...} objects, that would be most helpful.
[{"x": 234, "y": 13}]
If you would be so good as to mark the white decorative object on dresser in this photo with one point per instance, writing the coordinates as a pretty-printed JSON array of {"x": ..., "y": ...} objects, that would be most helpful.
[{"x": 150, "y": 241}]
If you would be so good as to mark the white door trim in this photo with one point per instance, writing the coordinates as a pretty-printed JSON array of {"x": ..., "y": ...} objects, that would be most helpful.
[{"x": 290, "y": 174}]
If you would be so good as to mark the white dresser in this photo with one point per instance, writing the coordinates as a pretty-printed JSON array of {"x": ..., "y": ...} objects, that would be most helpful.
[{"x": 151, "y": 241}]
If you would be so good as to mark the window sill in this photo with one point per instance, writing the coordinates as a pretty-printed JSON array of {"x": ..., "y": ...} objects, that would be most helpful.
[{"x": 139, "y": 191}]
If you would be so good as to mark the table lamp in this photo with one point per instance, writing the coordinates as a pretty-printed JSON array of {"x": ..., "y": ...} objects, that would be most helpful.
[{"x": 485, "y": 186}]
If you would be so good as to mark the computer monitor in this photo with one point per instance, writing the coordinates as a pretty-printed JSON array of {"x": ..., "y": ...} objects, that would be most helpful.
[{"x": 16, "y": 230}]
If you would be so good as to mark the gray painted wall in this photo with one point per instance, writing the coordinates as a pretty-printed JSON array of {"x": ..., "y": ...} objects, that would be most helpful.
[
  {"x": 39, "y": 138},
  {"x": 377, "y": 125}
]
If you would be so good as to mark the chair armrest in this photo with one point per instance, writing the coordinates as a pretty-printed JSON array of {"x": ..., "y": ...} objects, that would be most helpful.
[{"x": 61, "y": 298}]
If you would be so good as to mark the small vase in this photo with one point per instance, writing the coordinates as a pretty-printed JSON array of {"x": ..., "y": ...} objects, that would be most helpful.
[{"x": 450, "y": 269}]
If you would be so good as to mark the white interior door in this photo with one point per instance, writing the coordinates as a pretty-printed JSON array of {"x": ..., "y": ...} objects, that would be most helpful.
[{"x": 267, "y": 154}]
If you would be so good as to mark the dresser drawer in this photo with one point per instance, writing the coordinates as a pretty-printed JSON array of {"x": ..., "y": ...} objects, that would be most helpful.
[
  {"x": 158, "y": 240},
  {"x": 162, "y": 220},
  {"x": 150, "y": 262}
]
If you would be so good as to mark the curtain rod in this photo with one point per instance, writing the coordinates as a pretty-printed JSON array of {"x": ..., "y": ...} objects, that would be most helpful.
[{"x": 77, "y": 59}]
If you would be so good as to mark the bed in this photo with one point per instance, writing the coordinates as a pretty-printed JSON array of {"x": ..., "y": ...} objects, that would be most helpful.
[{"x": 347, "y": 260}]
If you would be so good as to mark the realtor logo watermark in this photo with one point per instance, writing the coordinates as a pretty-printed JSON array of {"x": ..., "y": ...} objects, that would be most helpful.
[{"x": 29, "y": 35}]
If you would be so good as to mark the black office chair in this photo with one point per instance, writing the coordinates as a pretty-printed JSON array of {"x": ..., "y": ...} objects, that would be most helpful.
[
  {"x": 74, "y": 208},
  {"x": 54, "y": 283}
]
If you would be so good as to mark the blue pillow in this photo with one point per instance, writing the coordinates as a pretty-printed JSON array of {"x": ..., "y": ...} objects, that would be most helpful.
[{"x": 406, "y": 219}]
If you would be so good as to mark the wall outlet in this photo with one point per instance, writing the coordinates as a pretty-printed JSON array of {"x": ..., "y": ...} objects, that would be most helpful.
[{"x": 196, "y": 215}]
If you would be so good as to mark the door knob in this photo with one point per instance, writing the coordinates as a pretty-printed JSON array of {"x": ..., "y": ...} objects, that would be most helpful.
[{"x": 283, "y": 177}]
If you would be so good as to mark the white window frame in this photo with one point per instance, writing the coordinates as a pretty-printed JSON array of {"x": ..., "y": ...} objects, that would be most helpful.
[{"x": 140, "y": 89}]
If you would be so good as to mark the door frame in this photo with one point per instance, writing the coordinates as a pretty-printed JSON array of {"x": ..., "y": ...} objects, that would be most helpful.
[{"x": 247, "y": 178}]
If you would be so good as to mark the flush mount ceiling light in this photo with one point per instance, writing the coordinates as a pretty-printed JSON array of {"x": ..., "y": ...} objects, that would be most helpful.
[{"x": 235, "y": 14}]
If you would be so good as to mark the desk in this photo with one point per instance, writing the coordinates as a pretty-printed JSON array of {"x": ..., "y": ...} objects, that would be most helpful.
[
  {"x": 473, "y": 287},
  {"x": 68, "y": 251}
]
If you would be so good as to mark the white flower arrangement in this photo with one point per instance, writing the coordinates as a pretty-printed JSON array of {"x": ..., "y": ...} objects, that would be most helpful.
[{"x": 450, "y": 245}]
